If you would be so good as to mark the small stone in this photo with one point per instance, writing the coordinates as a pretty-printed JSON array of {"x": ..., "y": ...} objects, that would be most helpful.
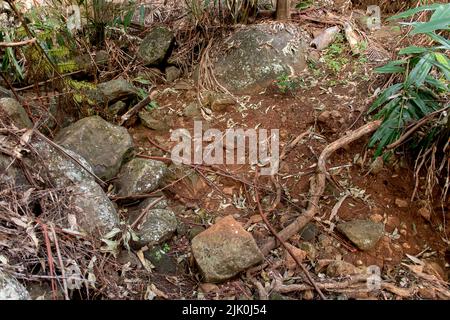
[
  {"x": 117, "y": 89},
  {"x": 158, "y": 226},
  {"x": 403, "y": 232},
  {"x": 192, "y": 110},
  {"x": 427, "y": 293},
  {"x": 339, "y": 268},
  {"x": 14, "y": 110},
  {"x": 309, "y": 232},
  {"x": 152, "y": 122},
  {"x": 363, "y": 233},
  {"x": 406, "y": 246},
  {"x": 310, "y": 250},
  {"x": 172, "y": 73},
  {"x": 161, "y": 260},
  {"x": 401, "y": 203},
  {"x": 308, "y": 295},
  {"x": 208, "y": 287},
  {"x": 140, "y": 176},
  {"x": 359, "y": 263},
  {"x": 425, "y": 213},
  {"x": 289, "y": 260},
  {"x": 377, "y": 165},
  {"x": 224, "y": 250},
  {"x": 376, "y": 217},
  {"x": 117, "y": 108},
  {"x": 324, "y": 116}
]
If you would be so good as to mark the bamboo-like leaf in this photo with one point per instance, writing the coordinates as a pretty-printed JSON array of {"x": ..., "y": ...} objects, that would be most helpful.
[
  {"x": 385, "y": 96},
  {"x": 392, "y": 67},
  {"x": 430, "y": 26},
  {"x": 413, "y": 11},
  {"x": 413, "y": 50},
  {"x": 438, "y": 38},
  {"x": 439, "y": 85},
  {"x": 420, "y": 71}
]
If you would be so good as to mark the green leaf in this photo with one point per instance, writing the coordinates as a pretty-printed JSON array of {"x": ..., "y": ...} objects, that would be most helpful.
[
  {"x": 438, "y": 38},
  {"x": 413, "y": 11},
  {"x": 439, "y": 85},
  {"x": 419, "y": 72},
  {"x": 418, "y": 101},
  {"x": 430, "y": 26},
  {"x": 392, "y": 67},
  {"x": 413, "y": 50},
  {"x": 442, "y": 62},
  {"x": 385, "y": 96}
]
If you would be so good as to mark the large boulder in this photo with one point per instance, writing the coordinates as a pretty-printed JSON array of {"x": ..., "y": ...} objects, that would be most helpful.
[
  {"x": 95, "y": 213},
  {"x": 224, "y": 250},
  {"x": 11, "y": 289},
  {"x": 12, "y": 108},
  {"x": 255, "y": 56},
  {"x": 156, "y": 46},
  {"x": 363, "y": 233},
  {"x": 104, "y": 145},
  {"x": 140, "y": 176}
]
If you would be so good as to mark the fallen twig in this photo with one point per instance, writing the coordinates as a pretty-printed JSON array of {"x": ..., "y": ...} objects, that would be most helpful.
[
  {"x": 18, "y": 43},
  {"x": 141, "y": 104},
  {"x": 272, "y": 230}
]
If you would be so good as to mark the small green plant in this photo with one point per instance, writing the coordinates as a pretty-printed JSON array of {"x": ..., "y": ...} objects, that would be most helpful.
[
  {"x": 424, "y": 86},
  {"x": 287, "y": 84},
  {"x": 334, "y": 57},
  {"x": 304, "y": 4}
]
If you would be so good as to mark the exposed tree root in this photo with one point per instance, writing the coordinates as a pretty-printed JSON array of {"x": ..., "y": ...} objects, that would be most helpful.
[{"x": 318, "y": 185}]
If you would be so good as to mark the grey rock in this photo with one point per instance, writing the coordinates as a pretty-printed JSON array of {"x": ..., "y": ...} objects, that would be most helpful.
[
  {"x": 150, "y": 121},
  {"x": 95, "y": 213},
  {"x": 161, "y": 260},
  {"x": 140, "y": 176},
  {"x": 117, "y": 108},
  {"x": 255, "y": 56},
  {"x": 12, "y": 109},
  {"x": 11, "y": 289},
  {"x": 309, "y": 232},
  {"x": 117, "y": 89},
  {"x": 104, "y": 145},
  {"x": 158, "y": 226},
  {"x": 5, "y": 93},
  {"x": 155, "y": 47},
  {"x": 363, "y": 233},
  {"x": 192, "y": 110},
  {"x": 11, "y": 174},
  {"x": 172, "y": 73},
  {"x": 224, "y": 250}
]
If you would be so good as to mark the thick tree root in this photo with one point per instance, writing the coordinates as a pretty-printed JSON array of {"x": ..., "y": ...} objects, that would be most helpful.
[{"x": 318, "y": 185}]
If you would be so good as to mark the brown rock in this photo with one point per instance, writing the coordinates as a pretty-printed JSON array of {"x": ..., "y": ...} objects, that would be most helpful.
[
  {"x": 298, "y": 253},
  {"x": 208, "y": 287},
  {"x": 340, "y": 268},
  {"x": 401, "y": 203},
  {"x": 425, "y": 213},
  {"x": 376, "y": 217},
  {"x": 224, "y": 250}
]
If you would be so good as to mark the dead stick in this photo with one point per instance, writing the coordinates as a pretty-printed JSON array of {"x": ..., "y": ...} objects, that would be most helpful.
[
  {"x": 272, "y": 230},
  {"x": 17, "y": 44},
  {"x": 318, "y": 185},
  {"x": 141, "y": 104},
  {"x": 144, "y": 212},
  {"x": 61, "y": 264}
]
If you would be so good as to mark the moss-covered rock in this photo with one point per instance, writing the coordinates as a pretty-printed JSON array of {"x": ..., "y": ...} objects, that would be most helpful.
[
  {"x": 12, "y": 109},
  {"x": 155, "y": 48},
  {"x": 104, "y": 145},
  {"x": 255, "y": 56}
]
